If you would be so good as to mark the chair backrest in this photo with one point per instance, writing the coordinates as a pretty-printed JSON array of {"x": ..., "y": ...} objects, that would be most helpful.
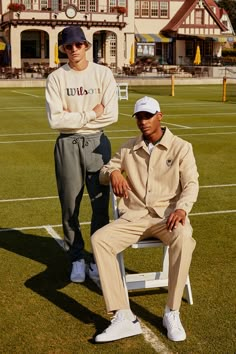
[{"x": 122, "y": 91}]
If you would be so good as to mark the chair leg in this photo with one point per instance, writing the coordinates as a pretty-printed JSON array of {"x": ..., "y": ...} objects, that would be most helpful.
[{"x": 188, "y": 291}]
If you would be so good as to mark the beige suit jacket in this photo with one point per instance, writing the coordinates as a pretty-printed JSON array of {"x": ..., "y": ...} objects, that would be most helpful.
[{"x": 161, "y": 182}]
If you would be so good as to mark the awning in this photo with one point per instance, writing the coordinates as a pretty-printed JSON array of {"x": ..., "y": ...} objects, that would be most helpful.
[
  {"x": 152, "y": 37},
  {"x": 219, "y": 38}
]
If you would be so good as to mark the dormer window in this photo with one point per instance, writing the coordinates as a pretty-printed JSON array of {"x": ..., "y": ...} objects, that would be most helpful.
[{"x": 199, "y": 17}]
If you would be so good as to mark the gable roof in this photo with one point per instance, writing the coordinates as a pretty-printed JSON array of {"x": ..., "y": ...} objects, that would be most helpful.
[{"x": 184, "y": 11}]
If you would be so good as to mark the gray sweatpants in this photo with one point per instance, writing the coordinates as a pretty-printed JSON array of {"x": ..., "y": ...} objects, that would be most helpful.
[{"x": 78, "y": 159}]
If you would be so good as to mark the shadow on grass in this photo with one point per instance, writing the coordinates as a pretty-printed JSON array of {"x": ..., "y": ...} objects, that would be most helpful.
[{"x": 56, "y": 276}]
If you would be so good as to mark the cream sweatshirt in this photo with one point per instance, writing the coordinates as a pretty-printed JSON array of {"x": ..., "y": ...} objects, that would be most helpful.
[{"x": 71, "y": 96}]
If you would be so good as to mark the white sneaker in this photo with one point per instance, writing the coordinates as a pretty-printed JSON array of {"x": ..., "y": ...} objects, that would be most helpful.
[
  {"x": 78, "y": 271},
  {"x": 121, "y": 327},
  {"x": 175, "y": 330}
]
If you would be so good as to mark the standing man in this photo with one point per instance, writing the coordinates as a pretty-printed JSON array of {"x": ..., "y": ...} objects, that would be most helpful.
[
  {"x": 81, "y": 100},
  {"x": 157, "y": 193}
]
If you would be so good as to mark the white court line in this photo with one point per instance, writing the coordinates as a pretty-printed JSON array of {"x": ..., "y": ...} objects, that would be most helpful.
[
  {"x": 233, "y": 211},
  {"x": 178, "y": 125},
  {"x": 113, "y": 137},
  {"x": 55, "y": 235},
  {"x": 86, "y": 195},
  {"x": 214, "y": 212},
  {"x": 122, "y": 130},
  {"x": 183, "y": 115},
  {"x": 154, "y": 341},
  {"x": 27, "y": 94}
]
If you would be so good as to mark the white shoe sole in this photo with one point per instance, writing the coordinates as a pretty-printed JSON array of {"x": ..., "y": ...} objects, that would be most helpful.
[{"x": 77, "y": 280}]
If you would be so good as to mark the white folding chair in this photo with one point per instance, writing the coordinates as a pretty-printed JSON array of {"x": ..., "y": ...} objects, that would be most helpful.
[
  {"x": 151, "y": 279},
  {"x": 122, "y": 91}
]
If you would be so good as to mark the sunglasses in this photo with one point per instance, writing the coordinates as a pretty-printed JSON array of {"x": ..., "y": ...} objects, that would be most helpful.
[
  {"x": 144, "y": 115},
  {"x": 78, "y": 45}
]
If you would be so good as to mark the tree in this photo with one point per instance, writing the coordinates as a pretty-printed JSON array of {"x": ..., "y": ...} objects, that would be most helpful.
[{"x": 230, "y": 7}]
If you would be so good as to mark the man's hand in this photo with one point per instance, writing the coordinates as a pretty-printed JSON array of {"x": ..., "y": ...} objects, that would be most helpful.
[
  {"x": 98, "y": 109},
  {"x": 178, "y": 216},
  {"x": 119, "y": 184}
]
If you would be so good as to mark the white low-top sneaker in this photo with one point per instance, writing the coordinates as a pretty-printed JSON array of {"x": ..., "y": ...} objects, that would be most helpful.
[
  {"x": 121, "y": 327},
  {"x": 78, "y": 271},
  {"x": 175, "y": 330}
]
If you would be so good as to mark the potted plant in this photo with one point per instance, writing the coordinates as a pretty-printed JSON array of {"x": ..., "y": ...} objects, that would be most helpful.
[
  {"x": 16, "y": 7},
  {"x": 121, "y": 9},
  {"x": 118, "y": 9}
]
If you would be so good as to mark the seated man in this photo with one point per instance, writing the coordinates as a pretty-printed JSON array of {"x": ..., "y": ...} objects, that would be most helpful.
[{"x": 158, "y": 192}]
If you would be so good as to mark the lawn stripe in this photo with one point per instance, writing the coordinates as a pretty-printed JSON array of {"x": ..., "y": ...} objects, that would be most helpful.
[
  {"x": 88, "y": 222},
  {"x": 27, "y": 94},
  {"x": 113, "y": 137},
  {"x": 86, "y": 195}
]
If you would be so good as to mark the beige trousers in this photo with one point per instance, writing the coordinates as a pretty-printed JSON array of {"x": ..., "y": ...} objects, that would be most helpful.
[{"x": 115, "y": 237}]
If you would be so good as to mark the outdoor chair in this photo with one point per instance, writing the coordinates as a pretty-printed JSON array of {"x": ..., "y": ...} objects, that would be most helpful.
[
  {"x": 122, "y": 91},
  {"x": 155, "y": 279}
]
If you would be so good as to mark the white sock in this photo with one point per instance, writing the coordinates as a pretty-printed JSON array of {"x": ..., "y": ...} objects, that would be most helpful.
[{"x": 128, "y": 314}]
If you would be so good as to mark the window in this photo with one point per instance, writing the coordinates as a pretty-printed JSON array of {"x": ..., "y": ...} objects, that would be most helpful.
[
  {"x": 154, "y": 9},
  {"x": 208, "y": 48},
  {"x": 163, "y": 9},
  {"x": 92, "y": 6},
  {"x": 225, "y": 23},
  {"x": 137, "y": 9},
  {"x": 158, "y": 49},
  {"x": 199, "y": 17},
  {"x": 189, "y": 49},
  {"x": 145, "y": 49},
  {"x": 112, "y": 39},
  {"x": 82, "y": 5},
  {"x": 55, "y": 5},
  {"x": 43, "y": 4},
  {"x": 144, "y": 8}
]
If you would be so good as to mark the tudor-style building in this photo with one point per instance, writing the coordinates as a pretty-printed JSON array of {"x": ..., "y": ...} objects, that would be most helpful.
[{"x": 168, "y": 30}]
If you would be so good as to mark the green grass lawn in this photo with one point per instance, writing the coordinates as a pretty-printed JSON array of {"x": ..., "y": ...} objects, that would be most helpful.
[{"x": 41, "y": 311}]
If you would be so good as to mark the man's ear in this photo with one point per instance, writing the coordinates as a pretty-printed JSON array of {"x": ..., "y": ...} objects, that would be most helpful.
[{"x": 159, "y": 116}]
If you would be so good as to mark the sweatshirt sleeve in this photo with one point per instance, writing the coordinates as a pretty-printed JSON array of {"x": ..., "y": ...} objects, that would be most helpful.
[
  {"x": 58, "y": 117},
  {"x": 109, "y": 101}
]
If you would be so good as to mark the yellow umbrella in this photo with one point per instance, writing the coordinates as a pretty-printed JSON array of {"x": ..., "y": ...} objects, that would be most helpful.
[
  {"x": 131, "y": 59},
  {"x": 56, "y": 57},
  {"x": 2, "y": 46},
  {"x": 197, "y": 59}
]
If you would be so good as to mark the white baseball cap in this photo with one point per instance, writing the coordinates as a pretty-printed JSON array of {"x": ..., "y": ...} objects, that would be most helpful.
[{"x": 147, "y": 104}]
